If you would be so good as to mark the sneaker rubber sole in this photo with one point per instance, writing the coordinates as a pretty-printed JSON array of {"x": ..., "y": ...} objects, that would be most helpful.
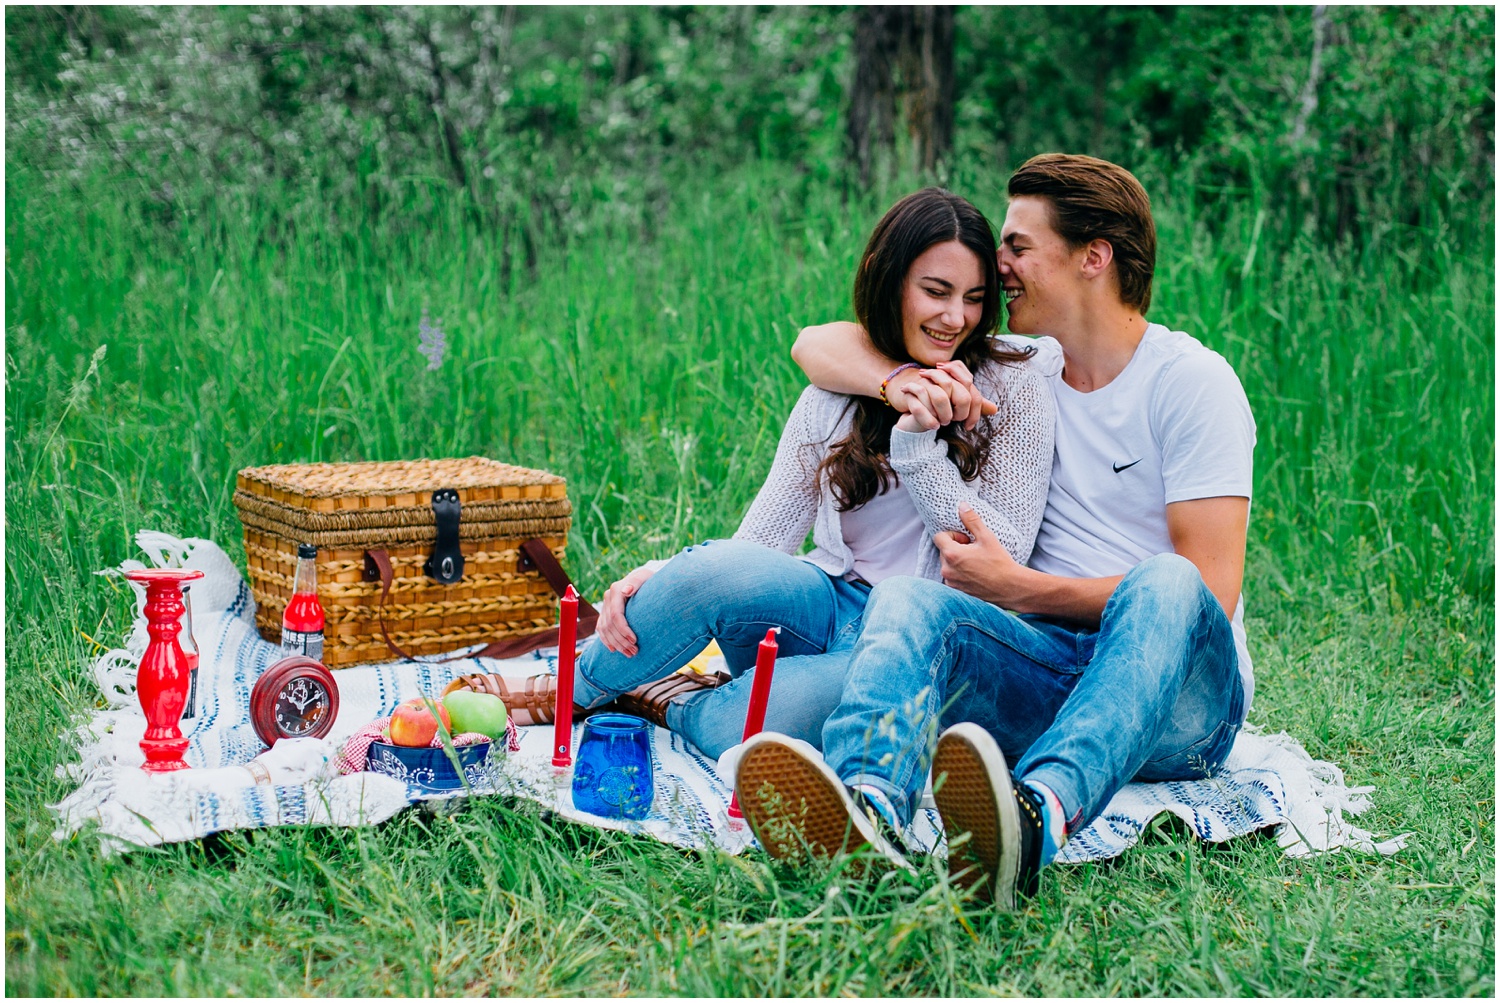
[
  {"x": 975, "y": 798},
  {"x": 798, "y": 807}
]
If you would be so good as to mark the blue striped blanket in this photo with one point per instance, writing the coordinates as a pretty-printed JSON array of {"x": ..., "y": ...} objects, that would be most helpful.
[{"x": 1269, "y": 781}]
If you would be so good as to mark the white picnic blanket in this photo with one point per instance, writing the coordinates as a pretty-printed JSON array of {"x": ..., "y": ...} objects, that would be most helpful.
[{"x": 1269, "y": 780}]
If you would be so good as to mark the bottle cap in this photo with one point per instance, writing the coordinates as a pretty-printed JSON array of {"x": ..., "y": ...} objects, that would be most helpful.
[{"x": 306, "y": 550}]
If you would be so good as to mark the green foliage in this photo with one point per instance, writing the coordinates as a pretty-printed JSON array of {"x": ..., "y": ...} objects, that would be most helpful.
[
  {"x": 530, "y": 112},
  {"x": 1402, "y": 102},
  {"x": 549, "y": 118}
]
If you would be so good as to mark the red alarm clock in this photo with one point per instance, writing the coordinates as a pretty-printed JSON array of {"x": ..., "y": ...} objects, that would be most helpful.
[{"x": 294, "y": 698}]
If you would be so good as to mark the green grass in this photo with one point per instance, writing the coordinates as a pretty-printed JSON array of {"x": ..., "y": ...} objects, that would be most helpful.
[{"x": 652, "y": 371}]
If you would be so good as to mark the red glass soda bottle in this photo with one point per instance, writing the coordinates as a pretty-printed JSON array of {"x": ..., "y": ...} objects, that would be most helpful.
[
  {"x": 302, "y": 623},
  {"x": 190, "y": 649}
]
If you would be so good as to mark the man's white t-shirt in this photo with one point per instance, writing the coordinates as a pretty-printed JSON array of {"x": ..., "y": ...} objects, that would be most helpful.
[{"x": 1173, "y": 426}]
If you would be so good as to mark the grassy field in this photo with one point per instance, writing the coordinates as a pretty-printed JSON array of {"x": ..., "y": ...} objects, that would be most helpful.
[{"x": 652, "y": 371}]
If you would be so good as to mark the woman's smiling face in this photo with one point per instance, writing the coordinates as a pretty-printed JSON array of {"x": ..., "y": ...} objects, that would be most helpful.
[{"x": 942, "y": 301}]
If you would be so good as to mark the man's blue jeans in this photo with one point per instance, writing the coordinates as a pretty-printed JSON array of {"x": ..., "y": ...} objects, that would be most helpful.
[
  {"x": 733, "y": 591},
  {"x": 1153, "y": 694}
]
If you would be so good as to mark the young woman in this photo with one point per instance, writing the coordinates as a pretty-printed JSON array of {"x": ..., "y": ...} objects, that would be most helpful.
[{"x": 871, "y": 483}]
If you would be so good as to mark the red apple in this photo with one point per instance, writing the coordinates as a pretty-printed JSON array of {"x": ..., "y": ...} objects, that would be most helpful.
[{"x": 413, "y": 725}]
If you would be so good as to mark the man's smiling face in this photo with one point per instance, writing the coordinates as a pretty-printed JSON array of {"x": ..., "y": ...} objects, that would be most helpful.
[{"x": 1039, "y": 272}]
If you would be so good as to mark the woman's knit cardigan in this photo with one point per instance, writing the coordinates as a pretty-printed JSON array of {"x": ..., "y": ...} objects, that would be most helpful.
[{"x": 1009, "y": 493}]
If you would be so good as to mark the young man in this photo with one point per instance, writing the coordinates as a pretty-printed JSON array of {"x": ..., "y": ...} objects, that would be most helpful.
[{"x": 1119, "y": 653}]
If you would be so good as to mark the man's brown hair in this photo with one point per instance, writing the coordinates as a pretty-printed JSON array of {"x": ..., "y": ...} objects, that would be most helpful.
[{"x": 1093, "y": 199}]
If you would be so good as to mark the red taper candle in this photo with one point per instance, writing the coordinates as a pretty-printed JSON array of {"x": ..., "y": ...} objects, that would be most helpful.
[
  {"x": 567, "y": 651},
  {"x": 760, "y": 695}
]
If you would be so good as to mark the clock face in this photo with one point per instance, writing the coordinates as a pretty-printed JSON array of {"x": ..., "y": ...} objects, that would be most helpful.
[
  {"x": 295, "y": 698},
  {"x": 300, "y": 705}
]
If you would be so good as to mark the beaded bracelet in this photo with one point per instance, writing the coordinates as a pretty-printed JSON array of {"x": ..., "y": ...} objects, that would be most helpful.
[{"x": 887, "y": 381}]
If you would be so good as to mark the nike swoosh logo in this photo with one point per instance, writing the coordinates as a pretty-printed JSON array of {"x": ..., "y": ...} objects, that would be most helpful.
[{"x": 1127, "y": 466}]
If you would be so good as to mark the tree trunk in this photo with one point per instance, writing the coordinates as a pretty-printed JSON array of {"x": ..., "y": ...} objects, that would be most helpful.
[
  {"x": 439, "y": 103},
  {"x": 872, "y": 95},
  {"x": 903, "y": 67},
  {"x": 927, "y": 75},
  {"x": 1307, "y": 104}
]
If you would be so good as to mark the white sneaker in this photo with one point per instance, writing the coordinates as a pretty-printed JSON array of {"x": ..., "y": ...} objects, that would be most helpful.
[
  {"x": 993, "y": 823},
  {"x": 798, "y": 807}
]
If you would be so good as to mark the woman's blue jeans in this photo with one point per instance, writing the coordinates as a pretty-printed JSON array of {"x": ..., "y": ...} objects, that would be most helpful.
[
  {"x": 733, "y": 591},
  {"x": 1154, "y": 694}
]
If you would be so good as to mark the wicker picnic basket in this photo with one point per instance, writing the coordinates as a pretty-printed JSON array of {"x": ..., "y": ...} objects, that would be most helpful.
[{"x": 415, "y": 557}]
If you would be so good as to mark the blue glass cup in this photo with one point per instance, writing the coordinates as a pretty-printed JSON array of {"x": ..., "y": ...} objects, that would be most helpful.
[{"x": 612, "y": 775}]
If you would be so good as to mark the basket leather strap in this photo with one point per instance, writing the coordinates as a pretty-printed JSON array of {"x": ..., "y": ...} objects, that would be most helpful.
[{"x": 534, "y": 554}]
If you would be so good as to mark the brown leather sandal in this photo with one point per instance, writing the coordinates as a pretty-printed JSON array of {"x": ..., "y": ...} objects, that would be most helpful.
[
  {"x": 650, "y": 701},
  {"x": 536, "y": 704}
]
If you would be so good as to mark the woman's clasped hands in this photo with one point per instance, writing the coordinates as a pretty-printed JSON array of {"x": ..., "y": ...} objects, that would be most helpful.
[
  {"x": 938, "y": 396},
  {"x": 932, "y": 398}
]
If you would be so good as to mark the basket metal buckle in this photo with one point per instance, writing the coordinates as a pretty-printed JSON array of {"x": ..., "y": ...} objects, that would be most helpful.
[{"x": 446, "y": 564}]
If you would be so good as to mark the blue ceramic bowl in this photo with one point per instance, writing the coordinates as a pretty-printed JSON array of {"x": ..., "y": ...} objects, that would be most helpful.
[{"x": 430, "y": 770}]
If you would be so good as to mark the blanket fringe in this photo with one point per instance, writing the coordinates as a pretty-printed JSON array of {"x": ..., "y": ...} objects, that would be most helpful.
[
  {"x": 164, "y": 549},
  {"x": 1317, "y": 797}
]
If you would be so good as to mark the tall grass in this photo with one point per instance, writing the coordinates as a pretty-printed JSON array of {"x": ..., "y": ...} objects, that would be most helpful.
[{"x": 649, "y": 366}]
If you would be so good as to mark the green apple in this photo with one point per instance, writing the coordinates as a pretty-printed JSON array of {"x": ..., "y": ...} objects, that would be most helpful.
[{"x": 481, "y": 712}]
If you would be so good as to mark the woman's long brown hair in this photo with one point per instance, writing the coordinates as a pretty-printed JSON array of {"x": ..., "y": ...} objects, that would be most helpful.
[{"x": 858, "y": 468}]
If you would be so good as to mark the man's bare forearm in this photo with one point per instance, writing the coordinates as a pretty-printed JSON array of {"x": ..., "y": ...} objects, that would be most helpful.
[
  {"x": 840, "y": 358},
  {"x": 1078, "y": 599}
]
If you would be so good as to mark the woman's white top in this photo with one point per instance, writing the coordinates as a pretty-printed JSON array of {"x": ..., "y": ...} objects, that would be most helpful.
[
  {"x": 1009, "y": 493},
  {"x": 884, "y": 535}
]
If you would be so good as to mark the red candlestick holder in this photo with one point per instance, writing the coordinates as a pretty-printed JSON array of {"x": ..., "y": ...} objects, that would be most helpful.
[
  {"x": 162, "y": 681},
  {"x": 760, "y": 695},
  {"x": 567, "y": 651}
]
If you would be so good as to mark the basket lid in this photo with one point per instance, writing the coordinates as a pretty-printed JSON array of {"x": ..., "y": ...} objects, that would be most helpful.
[{"x": 397, "y": 483}]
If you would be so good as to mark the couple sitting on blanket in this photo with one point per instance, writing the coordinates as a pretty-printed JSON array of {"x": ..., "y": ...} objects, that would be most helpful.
[{"x": 1028, "y": 552}]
